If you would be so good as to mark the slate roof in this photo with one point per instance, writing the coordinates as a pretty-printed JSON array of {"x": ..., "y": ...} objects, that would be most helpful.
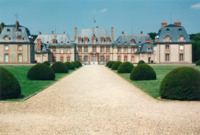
[
  {"x": 174, "y": 32},
  {"x": 143, "y": 48},
  {"x": 125, "y": 39},
  {"x": 90, "y": 32},
  {"x": 10, "y": 30}
]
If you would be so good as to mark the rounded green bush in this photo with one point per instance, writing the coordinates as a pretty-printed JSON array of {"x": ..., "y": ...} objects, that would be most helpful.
[
  {"x": 79, "y": 63},
  {"x": 40, "y": 72},
  {"x": 143, "y": 72},
  {"x": 47, "y": 63},
  {"x": 59, "y": 67},
  {"x": 9, "y": 85},
  {"x": 69, "y": 65},
  {"x": 198, "y": 63},
  {"x": 110, "y": 64},
  {"x": 141, "y": 62},
  {"x": 76, "y": 65},
  {"x": 116, "y": 65},
  {"x": 182, "y": 83},
  {"x": 125, "y": 67}
]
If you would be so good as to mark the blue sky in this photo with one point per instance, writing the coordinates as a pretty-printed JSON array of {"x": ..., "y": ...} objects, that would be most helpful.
[{"x": 130, "y": 16}]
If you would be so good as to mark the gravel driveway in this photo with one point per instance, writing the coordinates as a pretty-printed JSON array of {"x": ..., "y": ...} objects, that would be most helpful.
[{"x": 94, "y": 100}]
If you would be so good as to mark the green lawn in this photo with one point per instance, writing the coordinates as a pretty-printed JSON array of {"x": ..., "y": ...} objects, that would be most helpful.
[
  {"x": 29, "y": 87},
  {"x": 152, "y": 87}
]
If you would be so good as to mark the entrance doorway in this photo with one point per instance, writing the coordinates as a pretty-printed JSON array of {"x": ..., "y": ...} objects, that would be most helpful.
[
  {"x": 149, "y": 60},
  {"x": 94, "y": 59}
]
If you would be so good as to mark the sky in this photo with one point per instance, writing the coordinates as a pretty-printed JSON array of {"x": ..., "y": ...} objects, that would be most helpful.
[{"x": 130, "y": 16}]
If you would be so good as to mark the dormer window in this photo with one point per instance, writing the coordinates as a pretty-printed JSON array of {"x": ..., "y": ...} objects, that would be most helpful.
[
  {"x": 94, "y": 40},
  {"x": 80, "y": 40},
  {"x": 19, "y": 38},
  {"x": 148, "y": 48},
  {"x": 181, "y": 38},
  {"x": 6, "y": 37},
  {"x": 85, "y": 40},
  {"x": 179, "y": 29},
  {"x": 108, "y": 40},
  {"x": 102, "y": 40},
  {"x": 54, "y": 41},
  {"x": 132, "y": 42},
  {"x": 19, "y": 30},
  {"x": 167, "y": 29},
  {"x": 8, "y": 30},
  {"x": 167, "y": 38}
]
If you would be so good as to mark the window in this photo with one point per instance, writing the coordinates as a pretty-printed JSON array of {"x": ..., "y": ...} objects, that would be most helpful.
[
  {"x": 79, "y": 41},
  {"x": 6, "y": 57},
  {"x": 8, "y": 30},
  {"x": 68, "y": 50},
  {"x": 132, "y": 58},
  {"x": 125, "y": 58},
  {"x": 19, "y": 38},
  {"x": 54, "y": 59},
  {"x": 167, "y": 38},
  {"x": 179, "y": 29},
  {"x": 102, "y": 49},
  {"x": 107, "y": 58},
  {"x": 85, "y": 49},
  {"x": 167, "y": 47},
  {"x": 19, "y": 57},
  {"x": 86, "y": 41},
  {"x": 61, "y": 59},
  {"x": 181, "y": 57},
  {"x": 94, "y": 40},
  {"x": 6, "y": 37},
  {"x": 133, "y": 50},
  {"x": 61, "y": 50},
  {"x": 132, "y": 42},
  {"x": 119, "y": 58},
  {"x": 19, "y": 47},
  {"x": 181, "y": 38},
  {"x": 85, "y": 58},
  {"x": 108, "y": 49},
  {"x": 148, "y": 48},
  {"x": 119, "y": 50},
  {"x": 167, "y": 29},
  {"x": 181, "y": 47},
  {"x": 125, "y": 50},
  {"x": 79, "y": 58},
  {"x": 54, "y": 41},
  {"x": 166, "y": 57},
  {"x": 68, "y": 59},
  {"x": 94, "y": 49},
  {"x": 102, "y": 58},
  {"x": 6, "y": 47},
  {"x": 80, "y": 49},
  {"x": 54, "y": 49}
]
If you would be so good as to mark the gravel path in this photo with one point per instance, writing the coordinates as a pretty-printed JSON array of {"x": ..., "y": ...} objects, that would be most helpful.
[{"x": 94, "y": 100}]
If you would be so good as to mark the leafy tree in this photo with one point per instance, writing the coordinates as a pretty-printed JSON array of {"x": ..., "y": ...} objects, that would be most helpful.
[
  {"x": 34, "y": 37},
  {"x": 152, "y": 35},
  {"x": 195, "y": 46}
]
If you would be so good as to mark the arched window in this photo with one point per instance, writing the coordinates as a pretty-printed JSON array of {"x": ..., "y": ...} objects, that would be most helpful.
[
  {"x": 80, "y": 40},
  {"x": 19, "y": 38},
  {"x": 6, "y": 37},
  {"x": 102, "y": 39},
  {"x": 94, "y": 40},
  {"x": 85, "y": 40},
  {"x": 8, "y": 30},
  {"x": 19, "y": 30},
  {"x": 181, "y": 38},
  {"x": 132, "y": 41},
  {"x": 167, "y": 29},
  {"x": 179, "y": 29},
  {"x": 108, "y": 40},
  {"x": 167, "y": 38}
]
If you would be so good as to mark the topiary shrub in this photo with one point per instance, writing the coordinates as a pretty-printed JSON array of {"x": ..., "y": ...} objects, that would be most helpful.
[
  {"x": 182, "y": 83},
  {"x": 125, "y": 67},
  {"x": 143, "y": 72},
  {"x": 69, "y": 65},
  {"x": 141, "y": 62},
  {"x": 116, "y": 65},
  {"x": 59, "y": 67},
  {"x": 9, "y": 85},
  {"x": 110, "y": 64},
  {"x": 47, "y": 63},
  {"x": 41, "y": 72},
  {"x": 76, "y": 65},
  {"x": 198, "y": 63},
  {"x": 79, "y": 63}
]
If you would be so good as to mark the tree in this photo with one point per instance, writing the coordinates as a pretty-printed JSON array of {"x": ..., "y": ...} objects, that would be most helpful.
[
  {"x": 195, "y": 46},
  {"x": 152, "y": 35}
]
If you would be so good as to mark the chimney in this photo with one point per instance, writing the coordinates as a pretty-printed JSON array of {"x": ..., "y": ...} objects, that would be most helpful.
[
  {"x": 163, "y": 24},
  {"x": 177, "y": 23},
  {"x": 64, "y": 32},
  {"x": 17, "y": 25},
  {"x": 122, "y": 32},
  {"x": 2, "y": 26},
  {"x": 38, "y": 45},
  {"x": 141, "y": 32},
  {"x": 75, "y": 36},
  {"x": 112, "y": 35},
  {"x": 52, "y": 32},
  {"x": 40, "y": 33}
]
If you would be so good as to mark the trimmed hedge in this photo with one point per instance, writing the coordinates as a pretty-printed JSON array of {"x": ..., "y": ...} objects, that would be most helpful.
[
  {"x": 41, "y": 72},
  {"x": 116, "y": 65},
  {"x": 125, "y": 67},
  {"x": 76, "y": 65},
  {"x": 182, "y": 83},
  {"x": 141, "y": 62},
  {"x": 47, "y": 63},
  {"x": 69, "y": 65},
  {"x": 198, "y": 63},
  {"x": 9, "y": 85},
  {"x": 59, "y": 67},
  {"x": 143, "y": 72},
  {"x": 110, "y": 64},
  {"x": 79, "y": 63}
]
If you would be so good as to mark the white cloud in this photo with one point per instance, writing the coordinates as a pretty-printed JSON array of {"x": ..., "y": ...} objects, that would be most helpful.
[
  {"x": 103, "y": 10},
  {"x": 196, "y": 5}
]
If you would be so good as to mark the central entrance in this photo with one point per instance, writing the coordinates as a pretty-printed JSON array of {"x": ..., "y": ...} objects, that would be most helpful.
[{"x": 94, "y": 59}]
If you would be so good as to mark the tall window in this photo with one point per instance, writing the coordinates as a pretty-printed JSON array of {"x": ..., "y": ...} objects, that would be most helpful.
[
  {"x": 79, "y": 58},
  {"x": 68, "y": 50},
  {"x": 19, "y": 57},
  {"x": 181, "y": 57},
  {"x": 167, "y": 47},
  {"x": 119, "y": 58},
  {"x": 181, "y": 47},
  {"x": 54, "y": 59},
  {"x": 68, "y": 59},
  {"x": 107, "y": 58},
  {"x": 6, "y": 47},
  {"x": 125, "y": 58},
  {"x": 119, "y": 49},
  {"x": 108, "y": 49},
  {"x": 54, "y": 49},
  {"x": 6, "y": 57},
  {"x": 61, "y": 59},
  {"x": 102, "y": 49},
  {"x": 94, "y": 48},
  {"x": 80, "y": 49},
  {"x": 19, "y": 47},
  {"x": 125, "y": 50},
  {"x": 166, "y": 57},
  {"x": 133, "y": 50},
  {"x": 102, "y": 58},
  {"x": 61, "y": 50},
  {"x": 85, "y": 49},
  {"x": 85, "y": 58},
  {"x": 132, "y": 58}
]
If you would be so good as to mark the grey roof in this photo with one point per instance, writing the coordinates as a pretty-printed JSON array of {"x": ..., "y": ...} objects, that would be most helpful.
[
  {"x": 125, "y": 39},
  {"x": 90, "y": 32},
  {"x": 10, "y": 30},
  {"x": 174, "y": 32},
  {"x": 143, "y": 48}
]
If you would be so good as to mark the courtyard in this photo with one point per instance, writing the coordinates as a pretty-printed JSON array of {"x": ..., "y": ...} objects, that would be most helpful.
[{"x": 95, "y": 100}]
